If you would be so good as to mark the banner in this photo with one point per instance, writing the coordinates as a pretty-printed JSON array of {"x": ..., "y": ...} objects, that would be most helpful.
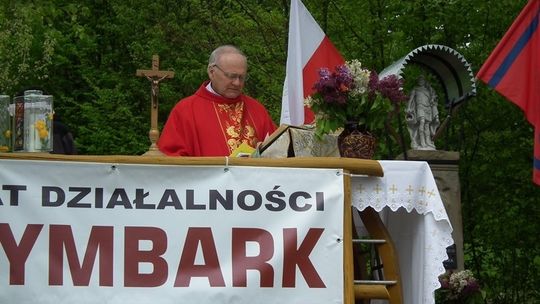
[
  {"x": 309, "y": 49},
  {"x": 119, "y": 233},
  {"x": 513, "y": 70}
]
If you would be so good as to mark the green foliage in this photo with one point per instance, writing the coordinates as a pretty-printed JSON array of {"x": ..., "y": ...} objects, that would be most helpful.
[
  {"x": 85, "y": 53},
  {"x": 27, "y": 46}
]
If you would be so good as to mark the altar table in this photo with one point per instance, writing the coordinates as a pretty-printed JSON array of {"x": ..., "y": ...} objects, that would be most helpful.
[{"x": 409, "y": 203}]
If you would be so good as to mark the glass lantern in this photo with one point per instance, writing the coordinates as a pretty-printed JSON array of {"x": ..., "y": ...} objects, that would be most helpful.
[
  {"x": 33, "y": 122},
  {"x": 5, "y": 124}
]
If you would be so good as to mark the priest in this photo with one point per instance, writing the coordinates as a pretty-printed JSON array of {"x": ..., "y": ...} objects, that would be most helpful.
[{"x": 218, "y": 118}]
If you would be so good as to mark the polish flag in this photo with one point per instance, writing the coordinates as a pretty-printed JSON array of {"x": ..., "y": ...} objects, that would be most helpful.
[{"x": 308, "y": 50}]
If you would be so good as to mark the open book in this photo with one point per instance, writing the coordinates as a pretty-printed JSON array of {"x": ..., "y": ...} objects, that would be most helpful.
[{"x": 293, "y": 141}]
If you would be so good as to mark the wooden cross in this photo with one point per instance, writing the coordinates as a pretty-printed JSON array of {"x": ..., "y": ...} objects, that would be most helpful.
[{"x": 155, "y": 76}]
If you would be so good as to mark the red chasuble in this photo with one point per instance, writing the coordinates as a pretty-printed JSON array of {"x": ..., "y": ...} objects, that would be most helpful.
[{"x": 206, "y": 124}]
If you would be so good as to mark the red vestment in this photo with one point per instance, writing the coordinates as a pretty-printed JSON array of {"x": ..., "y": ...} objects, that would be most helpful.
[{"x": 206, "y": 124}]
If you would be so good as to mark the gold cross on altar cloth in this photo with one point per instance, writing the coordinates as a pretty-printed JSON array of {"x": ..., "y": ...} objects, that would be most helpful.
[{"x": 155, "y": 76}]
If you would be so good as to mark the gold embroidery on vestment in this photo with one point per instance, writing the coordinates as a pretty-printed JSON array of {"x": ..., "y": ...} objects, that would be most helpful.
[{"x": 236, "y": 133}]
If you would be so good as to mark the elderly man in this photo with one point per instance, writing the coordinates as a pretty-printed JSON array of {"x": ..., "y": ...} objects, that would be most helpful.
[{"x": 218, "y": 118}]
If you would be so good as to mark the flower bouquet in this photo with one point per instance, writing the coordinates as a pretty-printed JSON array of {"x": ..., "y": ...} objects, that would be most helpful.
[
  {"x": 355, "y": 99},
  {"x": 352, "y": 94},
  {"x": 458, "y": 287}
]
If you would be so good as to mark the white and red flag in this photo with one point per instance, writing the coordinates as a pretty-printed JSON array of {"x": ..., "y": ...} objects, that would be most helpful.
[{"x": 309, "y": 49}]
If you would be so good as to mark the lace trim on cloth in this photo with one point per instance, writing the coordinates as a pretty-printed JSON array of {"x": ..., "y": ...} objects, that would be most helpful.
[{"x": 408, "y": 186}]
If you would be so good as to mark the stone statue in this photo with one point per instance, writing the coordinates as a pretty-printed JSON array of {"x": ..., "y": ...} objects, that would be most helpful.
[{"x": 422, "y": 116}]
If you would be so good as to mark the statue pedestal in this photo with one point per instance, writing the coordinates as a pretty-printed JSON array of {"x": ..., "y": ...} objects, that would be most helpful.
[{"x": 445, "y": 168}]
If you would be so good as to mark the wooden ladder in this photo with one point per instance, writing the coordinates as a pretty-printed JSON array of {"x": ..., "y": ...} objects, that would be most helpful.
[{"x": 389, "y": 286}]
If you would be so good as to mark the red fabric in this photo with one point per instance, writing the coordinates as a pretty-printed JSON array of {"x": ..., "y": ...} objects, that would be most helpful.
[
  {"x": 536, "y": 171},
  {"x": 326, "y": 55},
  {"x": 513, "y": 70},
  {"x": 206, "y": 124}
]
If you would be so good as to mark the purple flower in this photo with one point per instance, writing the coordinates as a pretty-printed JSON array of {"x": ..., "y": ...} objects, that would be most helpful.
[
  {"x": 333, "y": 87},
  {"x": 324, "y": 73},
  {"x": 373, "y": 84},
  {"x": 344, "y": 77},
  {"x": 445, "y": 284},
  {"x": 471, "y": 287},
  {"x": 390, "y": 87}
]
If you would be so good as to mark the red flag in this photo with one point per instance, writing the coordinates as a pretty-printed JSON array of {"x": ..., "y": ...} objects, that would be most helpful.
[
  {"x": 513, "y": 70},
  {"x": 309, "y": 49}
]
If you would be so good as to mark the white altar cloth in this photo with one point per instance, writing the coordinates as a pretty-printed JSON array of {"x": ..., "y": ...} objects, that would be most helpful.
[{"x": 409, "y": 203}]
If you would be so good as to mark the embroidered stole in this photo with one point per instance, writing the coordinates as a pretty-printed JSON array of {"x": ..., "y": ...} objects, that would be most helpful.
[{"x": 235, "y": 125}]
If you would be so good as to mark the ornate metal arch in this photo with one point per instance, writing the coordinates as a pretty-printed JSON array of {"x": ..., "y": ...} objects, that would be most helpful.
[{"x": 449, "y": 66}]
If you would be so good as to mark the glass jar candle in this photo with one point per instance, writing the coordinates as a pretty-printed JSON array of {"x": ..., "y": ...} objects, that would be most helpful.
[{"x": 33, "y": 122}]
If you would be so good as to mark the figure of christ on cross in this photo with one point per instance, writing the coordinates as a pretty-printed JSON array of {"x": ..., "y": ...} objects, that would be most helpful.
[{"x": 155, "y": 76}]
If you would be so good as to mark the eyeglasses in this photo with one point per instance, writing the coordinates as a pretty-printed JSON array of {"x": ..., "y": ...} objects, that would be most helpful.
[{"x": 233, "y": 76}]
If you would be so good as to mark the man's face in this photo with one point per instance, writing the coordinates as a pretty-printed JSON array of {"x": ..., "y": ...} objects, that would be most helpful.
[{"x": 228, "y": 75}]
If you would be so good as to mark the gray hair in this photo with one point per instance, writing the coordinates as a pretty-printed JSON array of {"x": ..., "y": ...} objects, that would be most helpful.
[{"x": 222, "y": 50}]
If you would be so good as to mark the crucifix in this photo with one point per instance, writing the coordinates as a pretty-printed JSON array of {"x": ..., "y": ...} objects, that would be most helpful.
[{"x": 155, "y": 76}]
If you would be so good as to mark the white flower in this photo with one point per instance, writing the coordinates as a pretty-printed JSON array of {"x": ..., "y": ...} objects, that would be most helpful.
[
  {"x": 460, "y": 280},
  {"x": 308, "y": 101},
  {"x": 360, "y": 75}
]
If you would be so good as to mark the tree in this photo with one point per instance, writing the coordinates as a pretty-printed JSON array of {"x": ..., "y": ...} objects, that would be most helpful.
[{"x": 85, "y": 53}]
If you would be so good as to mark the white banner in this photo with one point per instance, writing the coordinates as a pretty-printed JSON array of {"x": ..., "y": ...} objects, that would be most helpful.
[{"x": 118, "y": 233}]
